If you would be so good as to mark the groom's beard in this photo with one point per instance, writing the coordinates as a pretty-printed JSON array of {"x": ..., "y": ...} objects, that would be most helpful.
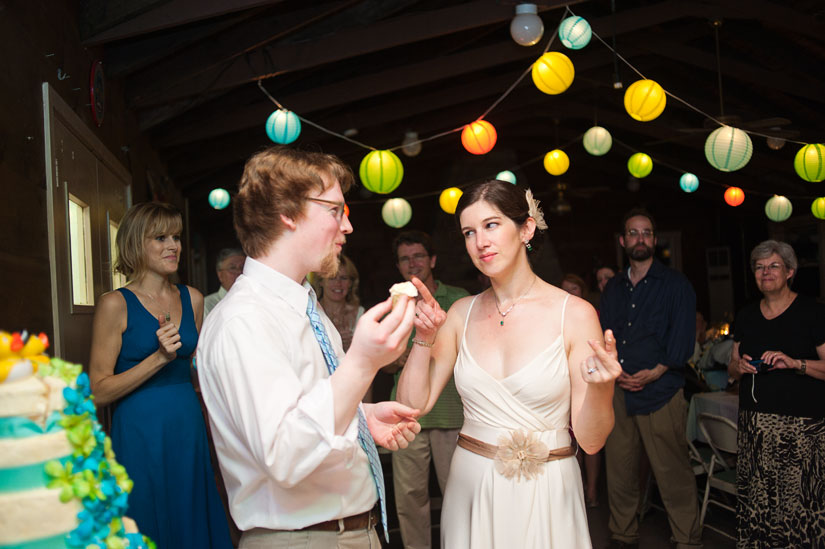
[{"x": 330, "y": 265}]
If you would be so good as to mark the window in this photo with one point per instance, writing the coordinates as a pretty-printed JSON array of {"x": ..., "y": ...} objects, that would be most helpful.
[
  {"x": 118, "y": 280},
  {"x": 80, "y": 240}
]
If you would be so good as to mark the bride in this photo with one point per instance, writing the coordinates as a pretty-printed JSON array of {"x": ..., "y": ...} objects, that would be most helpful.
[{"x": 528, "y": 360}]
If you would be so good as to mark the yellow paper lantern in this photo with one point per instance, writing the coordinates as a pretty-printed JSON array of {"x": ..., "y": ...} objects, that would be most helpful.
[
  {"x": 479, "y": 137},
  {"x": 818, "y": 207},
  {"x": 644, "y": 100},
  {"x": 556, "y": 162},
  {"x": 449, "y": 199},
  {"x": 809, "y": 162},
  {"x": 553, "y": 73},
  {"x": 640, "y": 165},
  {"x": 396, "y": 212},
  {"x": 381, "y": 171},
  {"x": 778, "y": 208}
]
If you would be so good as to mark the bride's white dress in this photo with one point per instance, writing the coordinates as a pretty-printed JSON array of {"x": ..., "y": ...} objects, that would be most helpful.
[{"x": 481, "y": 508}]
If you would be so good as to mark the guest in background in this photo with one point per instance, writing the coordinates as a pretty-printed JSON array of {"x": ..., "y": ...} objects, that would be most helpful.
[
  {"x": 338, "y": 297},
  {"x": 652, "y": 311},
  {"x": 413, "y": 252},
  {"x": 779, "y": 356},
  {"x": 590, "y": 463},
  {"x": 143, "y": 336},
  {"x": 229, "y": 265}
]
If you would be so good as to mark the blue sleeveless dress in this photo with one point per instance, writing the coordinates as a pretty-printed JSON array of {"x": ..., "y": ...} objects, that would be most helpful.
[{"x": 159, "y": 435}]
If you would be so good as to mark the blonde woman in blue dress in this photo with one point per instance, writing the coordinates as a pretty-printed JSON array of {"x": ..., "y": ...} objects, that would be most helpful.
[{"x": 527, "y": 358}]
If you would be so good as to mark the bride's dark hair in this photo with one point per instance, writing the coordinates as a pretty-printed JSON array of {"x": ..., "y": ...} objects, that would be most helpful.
[{"x": 509, "y": 199}]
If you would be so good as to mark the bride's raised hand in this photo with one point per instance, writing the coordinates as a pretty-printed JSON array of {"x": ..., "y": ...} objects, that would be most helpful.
[
  {"x": 429, "y": 316},
  {"x": 603, "y": 366}
]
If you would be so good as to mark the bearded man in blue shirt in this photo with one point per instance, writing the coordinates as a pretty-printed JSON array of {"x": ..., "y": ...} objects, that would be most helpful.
[{"x": 651, "y": 310}]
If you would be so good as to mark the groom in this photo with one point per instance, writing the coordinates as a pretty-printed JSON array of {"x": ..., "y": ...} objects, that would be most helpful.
[{"x": 294, "y": 442}]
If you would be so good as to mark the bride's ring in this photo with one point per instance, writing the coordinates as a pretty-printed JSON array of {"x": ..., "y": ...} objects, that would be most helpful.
[{"x": 591, "y": 370}]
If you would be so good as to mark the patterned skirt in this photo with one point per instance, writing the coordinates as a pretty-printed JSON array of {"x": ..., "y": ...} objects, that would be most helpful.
[{"x": 780, "y": 480}]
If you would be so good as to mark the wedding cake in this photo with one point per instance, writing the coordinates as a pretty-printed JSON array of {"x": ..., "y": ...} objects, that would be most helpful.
[{"x": 60, "y": 485}]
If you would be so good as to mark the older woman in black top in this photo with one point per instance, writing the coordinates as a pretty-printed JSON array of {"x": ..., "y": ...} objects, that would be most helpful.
[{"x": 779, "y": 356}]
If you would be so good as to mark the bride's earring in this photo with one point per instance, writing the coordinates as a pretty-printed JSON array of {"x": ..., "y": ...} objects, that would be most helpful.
[{"x": 528, "y": 246}]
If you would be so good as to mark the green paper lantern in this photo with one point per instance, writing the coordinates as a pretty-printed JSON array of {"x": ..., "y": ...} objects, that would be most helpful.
[
  {"x": 640, "y": 165},
  {"x": 219, "y": 198},
  {"x": 396, "y": 212},
  {"x": 728, "y": 149},
  {"x": 381, "y": 171},
  {"x": 597, "y": 141},
  {"x": 809, "y": 162},
  {"x": 778, "y": 208},
  {"x": 818, "y": 207}
]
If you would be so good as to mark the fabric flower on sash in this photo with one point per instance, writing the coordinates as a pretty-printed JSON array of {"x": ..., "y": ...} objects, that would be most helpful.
[{"x": 521, "y": 454}]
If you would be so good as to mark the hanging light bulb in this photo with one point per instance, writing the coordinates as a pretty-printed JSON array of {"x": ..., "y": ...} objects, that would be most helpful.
[
  {"x": 526, "y": 28},
  {"x": 775, "y": 143},
  {"x": 411, "y": 145}
]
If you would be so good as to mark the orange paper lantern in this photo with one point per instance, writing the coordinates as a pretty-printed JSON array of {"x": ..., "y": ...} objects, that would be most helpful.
[
  {"x": 734, "y": 196},
  {"x": 479, "y": 137}
]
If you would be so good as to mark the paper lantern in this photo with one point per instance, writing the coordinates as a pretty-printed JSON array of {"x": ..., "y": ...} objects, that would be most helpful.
[
  {"x": 734, "y": 196},
  {"x": 283, "y": 126},
  {"x": 219, "y": 198},
  {"x": 818, "y": 207},
  {"x": 479, "y": 137},
  {"x": 689, "y": 182},
  {"x": 506, "y": 175},
  {"x": 809, "y": 162},
  {"x": 553, "y": 73},
  {"x": 449, "y": 199},
  {"x": 556, "y": 162},
  {"x": 778, "y": 208},
  {"x": 396, "y": 212},
  {"x": 597, "y": 141},
  {"x": 381, "y": 171},
  {"x": 346, "y": 210},
  {"x": 728, "y": 149},
  {"x": 526, "y": 28},
  {"x": 644, "y": 100},
  {"x": 575, "y": 32},
  {"x": 640, "y": 165}
]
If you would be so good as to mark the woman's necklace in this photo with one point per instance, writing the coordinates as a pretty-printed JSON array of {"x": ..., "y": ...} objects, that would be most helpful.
[
  {"x": 156, "y": 302},
  {"x": 513, "y": 304}
]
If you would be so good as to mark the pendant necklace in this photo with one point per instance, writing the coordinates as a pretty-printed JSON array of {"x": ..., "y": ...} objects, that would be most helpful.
[
  {"x": 155, "y": 301},
  {"x": 513, "y": 304}
]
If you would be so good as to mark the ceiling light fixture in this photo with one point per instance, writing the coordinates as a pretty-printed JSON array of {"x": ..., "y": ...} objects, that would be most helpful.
[
  {"x": 411, "y": 145},
  {"x": 526, "y": 28}
]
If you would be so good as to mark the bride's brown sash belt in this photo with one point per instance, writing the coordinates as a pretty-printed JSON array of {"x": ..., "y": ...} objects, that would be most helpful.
[{"x": 491, "y": 450}]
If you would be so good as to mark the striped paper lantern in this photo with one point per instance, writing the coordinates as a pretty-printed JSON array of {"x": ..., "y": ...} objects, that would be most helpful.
[
  {"x": 644, "y": 100},
  {"x": 728, "y": 149},
  {"x": 778, "y": 208},
  {"x": 575, "y": 32},
  {"x": 396, "y": 212},
  {"x": 381, "y": 171},
  {"x": 809, "y": 162},
  {"x": 283, "y": 126},
  {"x": 553, "y": 73}
]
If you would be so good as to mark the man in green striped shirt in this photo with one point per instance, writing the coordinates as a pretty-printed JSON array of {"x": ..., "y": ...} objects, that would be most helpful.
[{"x": 440, "y": 427}]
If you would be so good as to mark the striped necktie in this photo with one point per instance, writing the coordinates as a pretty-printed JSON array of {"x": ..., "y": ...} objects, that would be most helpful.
[{"x": 364, "y": 436}]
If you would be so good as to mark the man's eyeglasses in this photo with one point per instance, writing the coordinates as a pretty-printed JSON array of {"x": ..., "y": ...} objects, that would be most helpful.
[
  {"x": 337, "y": 210},
  {"x": 405, "y": 259},
  {"x": 758, "y": 268},
  {"x": 633, "y": 233}
]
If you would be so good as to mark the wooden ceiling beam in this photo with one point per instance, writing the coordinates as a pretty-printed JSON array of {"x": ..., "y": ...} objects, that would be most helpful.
[
  {"x": 272, "y": 61},
  {"x": 172, "y": 14}
]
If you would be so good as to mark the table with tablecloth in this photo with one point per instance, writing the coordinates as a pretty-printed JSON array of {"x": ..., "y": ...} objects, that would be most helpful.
[{"x": 720, "y": 403}]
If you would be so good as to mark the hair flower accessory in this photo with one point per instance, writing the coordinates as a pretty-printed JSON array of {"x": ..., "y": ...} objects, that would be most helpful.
[
  {"x": 534, "y": 211},
  {"x": 520, "y": 455}
]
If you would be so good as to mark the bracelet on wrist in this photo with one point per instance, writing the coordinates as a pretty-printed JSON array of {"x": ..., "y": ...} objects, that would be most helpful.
[{"x": 422, "y": 342}]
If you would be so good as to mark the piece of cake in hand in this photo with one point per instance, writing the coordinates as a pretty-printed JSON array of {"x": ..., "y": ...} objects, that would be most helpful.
[{"x": 402, "y": 288}]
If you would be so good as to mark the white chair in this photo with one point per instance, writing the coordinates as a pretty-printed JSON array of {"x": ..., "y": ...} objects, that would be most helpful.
[{"x": 720, "y": 432}]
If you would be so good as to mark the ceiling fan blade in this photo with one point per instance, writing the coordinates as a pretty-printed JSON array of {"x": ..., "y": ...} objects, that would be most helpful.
[{"x": 767, "y": 122}]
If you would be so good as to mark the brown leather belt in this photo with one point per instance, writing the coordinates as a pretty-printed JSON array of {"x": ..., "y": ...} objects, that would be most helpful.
[
  {"x": 490, "y": 450},
  {"x": 362, "y": 521}
]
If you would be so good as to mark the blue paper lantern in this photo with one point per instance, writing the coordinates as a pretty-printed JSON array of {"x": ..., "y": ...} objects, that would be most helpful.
[
  {"x": 575, "y": 32},
  {"x": 689, "y": 182},
  {"x": 219, "y": 198},
  {"x": 283, "y": 126},
  {"x": 506, "y": 175}
]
